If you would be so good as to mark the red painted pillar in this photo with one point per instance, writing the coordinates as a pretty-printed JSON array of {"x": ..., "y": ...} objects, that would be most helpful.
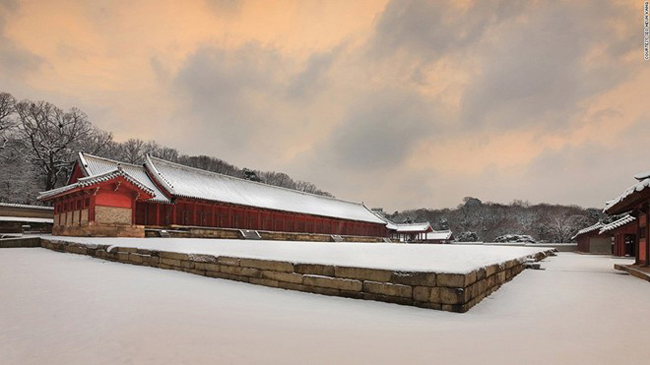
[{"x": 133, "y": 201}]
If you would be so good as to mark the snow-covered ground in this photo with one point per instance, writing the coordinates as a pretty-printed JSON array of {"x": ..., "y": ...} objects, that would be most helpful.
[
  {"x": 60, "y": 308},
  {"x": 438, "y": 258}
]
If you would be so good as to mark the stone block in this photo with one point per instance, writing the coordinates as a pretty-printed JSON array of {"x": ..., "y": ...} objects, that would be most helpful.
[
  {"x": 451, "y": 280},
  {"x": 445, "y": 295},
  {"x": 510, "y": 264},
  {"x": 388, "y": 299},
  {"x": 187, "y": 264},
  {"x": 151, "y": 260},
  {"x": 123, "y": 257},
  {"x": 174, "y": 256},
  {"x": 491, "y": 270},
  {"x": 363, "y": 273},
  {"x": 265, "y": 282},
  {"x": 136, "y": 258},
  {"x": 314, "y": 269},
  {"x": 170, "y": 262},
  {"x": 267, "y": 265},
  {"x": 394, "y": 290},
  {"x": 223, "y": 275},
  {"x": 202, "y": 258},
  {"x": 422, "y": 293},
  {"x": 333, "y": 283},
  {"x": 241, "y": 271},
  {"x": 501, "y": 277},
  {"x": 481, "y": 274},
  {"x": 352, "y": 294},
  {"x": 127, "y": 249},
  {"x": 230, "y": 261},
  {"x": 292, "y": 286},
  {"x": 324, "y": 291},
  {"x": 282, "y": 276},
  {"x": 414, "y": 278},
  {"x": 428, "y": 305}
]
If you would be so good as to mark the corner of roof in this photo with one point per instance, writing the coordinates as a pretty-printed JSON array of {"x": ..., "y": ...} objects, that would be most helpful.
[{"x": 157, "y": 175}]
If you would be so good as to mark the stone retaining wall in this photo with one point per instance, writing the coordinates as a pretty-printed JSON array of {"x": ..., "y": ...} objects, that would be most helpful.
[
  {"x": 232, "y": 233},
  {"x": 441, "y": 291},
  {"x": 20, "y": 242}
]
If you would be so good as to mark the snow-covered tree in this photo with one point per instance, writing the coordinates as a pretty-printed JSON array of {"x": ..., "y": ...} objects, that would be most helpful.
[
  {"x": 7, "y": 109},
  {"x": 50, "y": 137}
]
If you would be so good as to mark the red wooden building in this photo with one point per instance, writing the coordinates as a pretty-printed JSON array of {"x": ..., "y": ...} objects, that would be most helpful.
[
  {"x": 591, "y": 241},
  {"x": 107, "y": 197},
  {"x": 636, "y": 200}
]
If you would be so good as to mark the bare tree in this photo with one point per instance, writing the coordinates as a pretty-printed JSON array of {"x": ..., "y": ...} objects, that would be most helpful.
[
  {"x": 51, "y": 136},
  {"x": 133, "y": 151},
  {"x": 7, "y": 109}
]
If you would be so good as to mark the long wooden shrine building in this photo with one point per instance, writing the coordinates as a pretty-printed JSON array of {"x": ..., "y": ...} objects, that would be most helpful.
[{"x": 104, "y": 197}]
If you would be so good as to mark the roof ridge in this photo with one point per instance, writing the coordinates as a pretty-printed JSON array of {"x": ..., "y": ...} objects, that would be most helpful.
[
  {"x": 111, "y": 160},
  {"x": 206, "y": 172}
]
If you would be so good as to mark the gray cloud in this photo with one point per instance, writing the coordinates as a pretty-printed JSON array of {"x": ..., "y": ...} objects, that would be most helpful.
[
  {"x": 313, "y": 78},
  {"x": 226, "y": 90},
  {"x": 431, "y": 29},
  {"x": 380, "y": 131},
  {"x": 536, "y": 73}
]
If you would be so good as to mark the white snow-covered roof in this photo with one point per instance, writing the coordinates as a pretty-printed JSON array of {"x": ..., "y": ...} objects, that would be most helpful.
[
  {"x": 94, "y": 165},
  {"x": 642, "y": 176},
  {"x": 644, "y": 182},
  {"x": 26, "y": 219},
  {"x": 389, "y": 224},
  {"x": 189, "y": 182},
  {"x": 617, "y": 223},
  {"x": 94, "y": 179},
  {"x": 26, "y": 206},
  {"x": 588, "y": 229},
  {"x": 439, "y": 235},
  {"x": 413, "y": 227}
]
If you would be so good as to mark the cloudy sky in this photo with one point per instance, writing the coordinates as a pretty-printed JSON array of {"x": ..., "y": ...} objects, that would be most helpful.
[{"x": 399, "y": 104}]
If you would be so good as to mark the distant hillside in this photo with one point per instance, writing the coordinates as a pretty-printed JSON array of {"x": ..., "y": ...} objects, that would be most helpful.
[{"x": 544, "y": 222}]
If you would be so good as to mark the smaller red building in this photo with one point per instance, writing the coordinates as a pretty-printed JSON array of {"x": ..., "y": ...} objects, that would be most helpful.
[
  {"x": 99, "y": 205},
  {"x": 591, "y": 241},
  {"x": 623, "y": 234},
  {"x": 409, "y": 232}
]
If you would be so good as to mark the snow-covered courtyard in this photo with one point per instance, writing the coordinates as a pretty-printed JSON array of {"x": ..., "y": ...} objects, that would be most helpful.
[
  {"x": 63, "y": 308},
  {"x": 389, "y": 256}
]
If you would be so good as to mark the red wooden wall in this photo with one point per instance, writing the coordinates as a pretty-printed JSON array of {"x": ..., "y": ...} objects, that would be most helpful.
[{"x": 188, "y": 212}]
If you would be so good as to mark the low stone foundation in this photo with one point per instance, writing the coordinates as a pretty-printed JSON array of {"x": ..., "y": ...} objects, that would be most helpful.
[
  {"x": 94, "y": 229},
  {"x": 441, "y": 291},
  {"x": 20, "y": 242},
  {"x": 637, "y": 271},
  {"x": 232, "y": 233}
]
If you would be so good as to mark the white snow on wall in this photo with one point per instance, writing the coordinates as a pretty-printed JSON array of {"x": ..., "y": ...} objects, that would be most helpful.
[{"x": 390, "y": 256}]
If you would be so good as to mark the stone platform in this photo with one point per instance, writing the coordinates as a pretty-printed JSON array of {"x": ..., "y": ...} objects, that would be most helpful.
[{"x": 434, "y": 290}]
